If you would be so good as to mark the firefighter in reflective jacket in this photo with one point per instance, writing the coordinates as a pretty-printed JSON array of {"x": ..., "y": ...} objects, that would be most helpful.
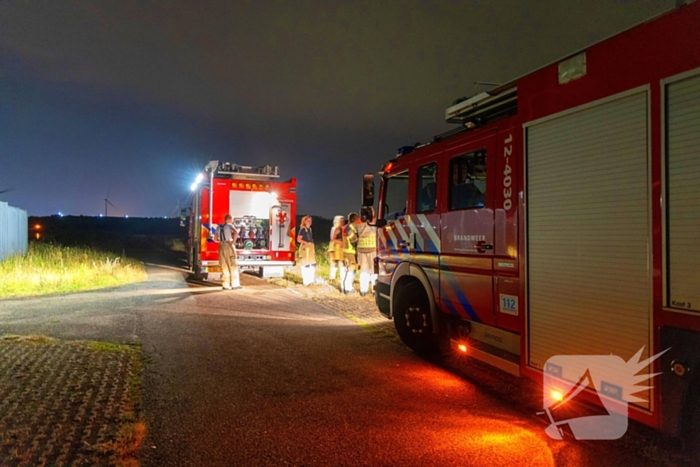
[
  {"x": 349, "y": 254},
  {"x": 227, "y": 236},
  {"x": 335, "y": 249},
  {"x": 366, "y": 249}
]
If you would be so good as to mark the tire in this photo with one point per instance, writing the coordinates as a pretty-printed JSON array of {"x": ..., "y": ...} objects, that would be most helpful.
[
  {"x": 197, "y": 273},
  {"x": 413, "y": 321}
]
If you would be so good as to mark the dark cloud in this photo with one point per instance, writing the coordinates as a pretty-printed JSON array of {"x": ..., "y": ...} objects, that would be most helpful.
[{"x": 134, "y": 96}]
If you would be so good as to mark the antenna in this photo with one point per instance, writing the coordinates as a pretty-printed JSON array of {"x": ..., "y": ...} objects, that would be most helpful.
[{"x": 484, "y": 83}]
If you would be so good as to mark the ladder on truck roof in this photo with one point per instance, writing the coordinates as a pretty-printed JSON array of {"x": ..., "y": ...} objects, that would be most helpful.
[
  {"x": 478, "y": 110},
  {"x": 483, "y": 107},
  {"x": 230, "y": 170}
]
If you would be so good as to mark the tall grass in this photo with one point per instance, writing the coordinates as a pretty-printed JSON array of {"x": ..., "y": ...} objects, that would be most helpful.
[
  {"x": 322, "y": 265},
  {"x": 49, "y": 268}
]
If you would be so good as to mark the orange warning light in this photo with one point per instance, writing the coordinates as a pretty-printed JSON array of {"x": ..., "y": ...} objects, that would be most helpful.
[
  {"x": 557, "y": 395},
  {"x": 462, "y": 347}
]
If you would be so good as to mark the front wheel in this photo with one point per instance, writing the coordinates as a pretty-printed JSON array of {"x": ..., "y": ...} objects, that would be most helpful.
[{"x": 413, "y": 321}]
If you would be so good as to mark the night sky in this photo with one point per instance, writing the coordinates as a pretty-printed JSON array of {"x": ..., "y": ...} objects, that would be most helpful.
[{"x": 133, "y": 98}]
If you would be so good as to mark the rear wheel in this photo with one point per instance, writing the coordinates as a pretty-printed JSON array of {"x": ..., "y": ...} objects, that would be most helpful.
[
  {"x": 413, "y": 321},
  {"x": 197, "y": 269},
  {"x": 190, "y": 259}
]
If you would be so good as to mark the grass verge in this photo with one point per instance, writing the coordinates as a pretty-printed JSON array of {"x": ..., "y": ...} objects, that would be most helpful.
[{"x": 50, "y": 268}]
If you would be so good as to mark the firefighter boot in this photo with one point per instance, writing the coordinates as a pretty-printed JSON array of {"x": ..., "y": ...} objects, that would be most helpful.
[
  {"x": 348, "y": 281},
  {"x": 307, "y": 274},
  {"x": 364, "y": 283},
  {"x": 227, "y": 281},
  {"x": 236, "y": 280},
  {"x": 333, "y": 271},
  {"x": 341, "y": 278}
]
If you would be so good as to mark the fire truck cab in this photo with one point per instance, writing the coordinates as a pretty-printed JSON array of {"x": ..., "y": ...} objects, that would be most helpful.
[
  {"x": 561, "y": 217},
  {"x": 263, "y": 211}
]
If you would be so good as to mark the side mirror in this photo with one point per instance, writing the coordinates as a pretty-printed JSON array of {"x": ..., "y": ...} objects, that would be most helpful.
[{"x": 368, "y": 190}]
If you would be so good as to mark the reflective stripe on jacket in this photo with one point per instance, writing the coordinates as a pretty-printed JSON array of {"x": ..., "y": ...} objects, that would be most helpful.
[
  {"x": 367, "y": 237},
  {"x": 349, "y": 237}
]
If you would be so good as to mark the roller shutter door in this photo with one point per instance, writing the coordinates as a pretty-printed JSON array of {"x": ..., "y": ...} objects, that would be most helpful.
[
  {"x": 683, "y": 156},
  {"x": 588, "y": 232}
]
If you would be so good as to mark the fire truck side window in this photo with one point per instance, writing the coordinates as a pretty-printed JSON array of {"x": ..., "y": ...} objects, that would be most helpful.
[
  {"x": 426, "y": 188},
  {"x": 395, "y": 196},
  {"x": 468, "y": 181}
]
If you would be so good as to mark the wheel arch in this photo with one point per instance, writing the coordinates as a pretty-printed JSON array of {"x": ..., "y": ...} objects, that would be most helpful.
[{"x": 404, "y": 273}]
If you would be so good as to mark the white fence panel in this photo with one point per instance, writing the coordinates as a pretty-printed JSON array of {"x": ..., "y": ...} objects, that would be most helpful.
[{"x": 13, "y": 231}]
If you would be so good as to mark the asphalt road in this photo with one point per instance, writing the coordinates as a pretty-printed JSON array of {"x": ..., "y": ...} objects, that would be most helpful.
[{"x": 264, "y": 376}]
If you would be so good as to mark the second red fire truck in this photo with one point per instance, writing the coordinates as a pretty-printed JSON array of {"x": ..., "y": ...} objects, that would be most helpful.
[
  {"x": 562, "y": 217},
  {"x": 263, "y": 210}
]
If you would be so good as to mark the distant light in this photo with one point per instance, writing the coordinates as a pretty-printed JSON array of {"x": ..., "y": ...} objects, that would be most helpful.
[
  {"x": 100, "y": 214},
  {"x": 199, "y": 178},
  {"x": 462, "y": 347},
  {"x": 557, "y": 395},
  {"x": 193, "y": 187},
  {"x": 37, "y": 227},
  {"x": 165, "y": 217},
  {"x": 60, "y": 214},
  {"x": 126, "y": 216}
]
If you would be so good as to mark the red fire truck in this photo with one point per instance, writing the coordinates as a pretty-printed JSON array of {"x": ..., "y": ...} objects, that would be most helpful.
[
  {"x": 561, "y": 217},
  {"x": 263, "y": 210}
]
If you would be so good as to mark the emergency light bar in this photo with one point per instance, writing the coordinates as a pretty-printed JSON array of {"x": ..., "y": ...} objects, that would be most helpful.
[{"x": 482, "y": 107}]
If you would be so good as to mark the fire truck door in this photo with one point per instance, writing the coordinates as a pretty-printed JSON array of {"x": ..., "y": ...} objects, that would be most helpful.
[
  {"x": 279, "y": 222},
  {"x": 466, "y": 260}
]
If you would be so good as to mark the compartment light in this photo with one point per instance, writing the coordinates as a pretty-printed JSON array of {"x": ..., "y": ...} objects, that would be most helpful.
[{"x": 557, "y": 395}]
